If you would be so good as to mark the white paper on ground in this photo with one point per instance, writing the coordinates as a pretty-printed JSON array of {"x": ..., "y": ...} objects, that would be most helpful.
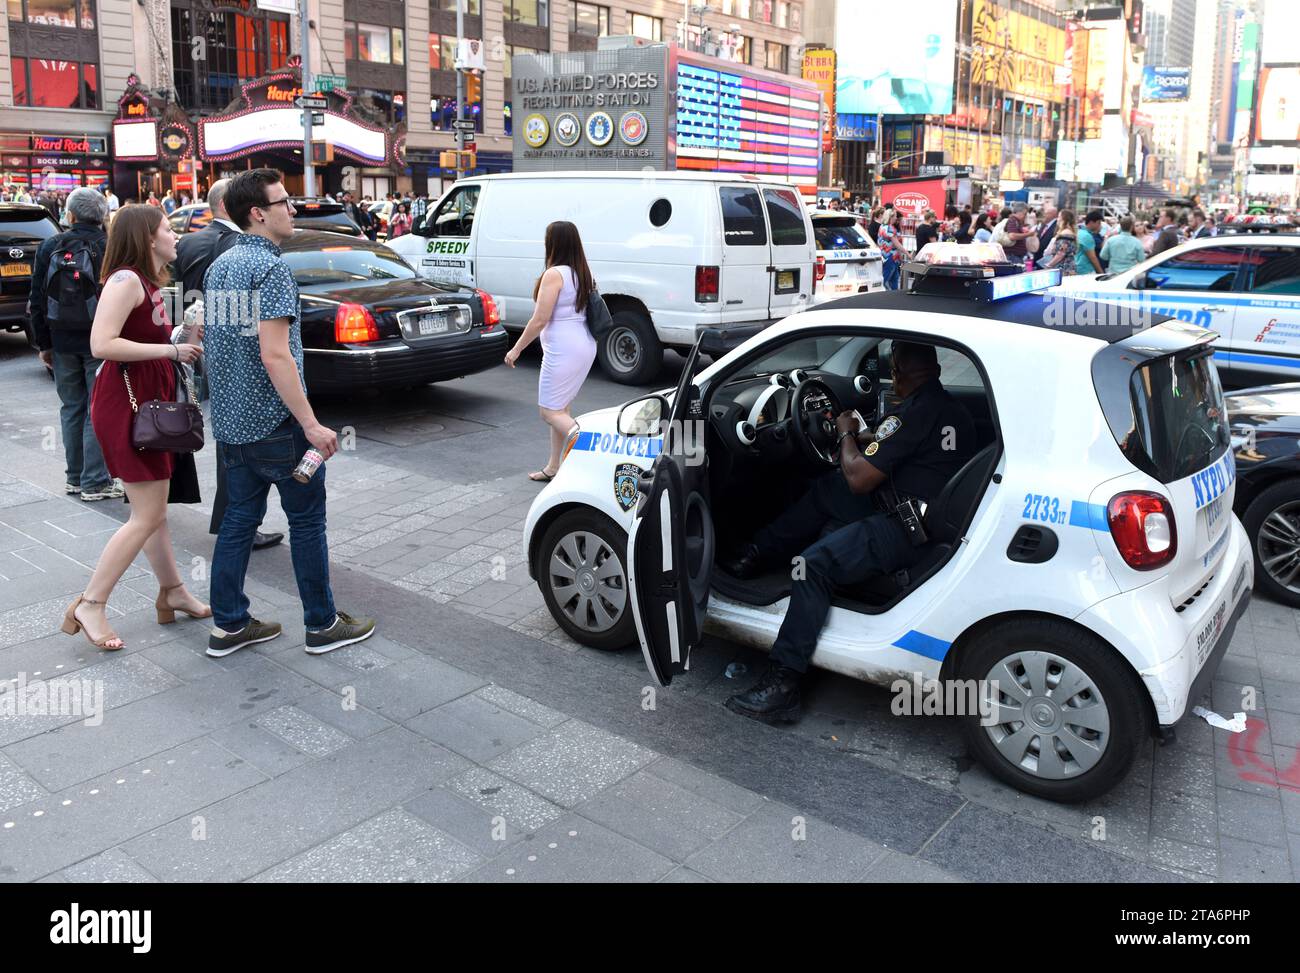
[{"x": 1237, "y": 724}]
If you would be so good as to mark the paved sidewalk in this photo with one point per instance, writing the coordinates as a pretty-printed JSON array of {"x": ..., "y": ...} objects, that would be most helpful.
[{"x": 471, "y": 740}]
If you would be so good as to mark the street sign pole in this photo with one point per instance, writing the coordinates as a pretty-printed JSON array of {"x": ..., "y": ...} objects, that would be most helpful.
[
  {"x": 308, "y": 170},
  {"x": 460, "y": 91}
]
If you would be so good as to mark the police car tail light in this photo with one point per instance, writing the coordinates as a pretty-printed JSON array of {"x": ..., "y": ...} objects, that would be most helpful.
[
  {"x": 819, "y": 268},
  {"x": 1143, "y": 527},
  {"x": 706, "y": 285},
  {"x": 491, "y": 313},
  {"x": 353, "y": 324}
]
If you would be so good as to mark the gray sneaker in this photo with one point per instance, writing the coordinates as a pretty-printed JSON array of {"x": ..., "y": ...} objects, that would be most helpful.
[
  {"x": 112, "y": 490},
  {"x": 223, "y": 643},
  {"x": 345, "y": 631}
]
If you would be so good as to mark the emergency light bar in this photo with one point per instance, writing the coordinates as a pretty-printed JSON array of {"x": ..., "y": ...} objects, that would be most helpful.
[{"x": 1013, "y": 285}]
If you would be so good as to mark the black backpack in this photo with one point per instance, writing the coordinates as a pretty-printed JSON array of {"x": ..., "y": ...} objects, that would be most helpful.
[{"x": 71, "y": 287}]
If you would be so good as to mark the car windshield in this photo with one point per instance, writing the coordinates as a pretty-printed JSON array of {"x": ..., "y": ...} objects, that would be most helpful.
[
  {"x": 803, "y": 353},
  {"x": 27, "y": 226},
  {"x": 346, "y": 265},
  {"x": 839, "y": 235}
]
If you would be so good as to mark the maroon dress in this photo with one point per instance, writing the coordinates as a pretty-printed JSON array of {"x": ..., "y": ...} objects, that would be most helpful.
[{"x": 110, "y": 408}]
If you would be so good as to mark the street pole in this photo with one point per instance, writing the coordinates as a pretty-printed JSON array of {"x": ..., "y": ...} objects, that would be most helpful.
[
  {"x": 879, "y": 168},
  {"x": 308, "y": 170},
  {"x": 460, "y": 90}
]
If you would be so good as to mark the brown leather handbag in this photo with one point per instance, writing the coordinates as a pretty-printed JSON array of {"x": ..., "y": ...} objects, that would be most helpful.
[{"x": 169, "y": 427}]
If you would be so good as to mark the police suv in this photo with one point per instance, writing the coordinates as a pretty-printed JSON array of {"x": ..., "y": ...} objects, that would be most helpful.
[
  {"x": 1084, "y": 565},
  {"x": 1243, "y": 284}
]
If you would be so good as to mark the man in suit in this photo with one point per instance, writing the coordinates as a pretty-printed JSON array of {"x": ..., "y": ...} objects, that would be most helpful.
[
  {"x": 1049, "y": 228},
  {"x": 1199, "y": 227},
  {"x": 194, "y": 255}
]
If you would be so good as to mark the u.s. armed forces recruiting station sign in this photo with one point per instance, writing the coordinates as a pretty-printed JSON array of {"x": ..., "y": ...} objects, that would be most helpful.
[{"x": 593, "y": 110}]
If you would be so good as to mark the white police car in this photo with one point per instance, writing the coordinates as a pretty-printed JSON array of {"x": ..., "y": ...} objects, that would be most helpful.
[
  {"x": 1244, "y": 284},
  {"x": 1086, "y": 559},
  {"x": 849, "y": 260}
]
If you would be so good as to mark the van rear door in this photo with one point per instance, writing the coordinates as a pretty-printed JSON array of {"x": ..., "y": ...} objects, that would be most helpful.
[
  {"x": 743, "y": 283},
  {"x": 790, "y": 288}
]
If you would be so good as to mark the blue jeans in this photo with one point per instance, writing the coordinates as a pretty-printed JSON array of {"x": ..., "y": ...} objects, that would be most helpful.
[
  {"x": 251, "y": 469},
  {"x": 891, "y": 272},
  {"x": 74, "y": 377}
]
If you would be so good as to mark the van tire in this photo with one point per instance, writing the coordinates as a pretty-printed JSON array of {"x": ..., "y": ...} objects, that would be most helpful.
[
  {"x": 631, "y": 354},
  {"x": 1283, "y": 494},
  {"x": 623, "y": 632},
  {"x": 1116, "y": 684}
]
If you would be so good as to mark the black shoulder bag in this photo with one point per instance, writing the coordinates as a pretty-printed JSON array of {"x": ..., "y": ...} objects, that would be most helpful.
[{"x": 599, "y": 321}]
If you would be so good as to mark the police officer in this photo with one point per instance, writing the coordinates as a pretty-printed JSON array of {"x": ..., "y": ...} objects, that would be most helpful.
[{"x": 910, "y": 456}]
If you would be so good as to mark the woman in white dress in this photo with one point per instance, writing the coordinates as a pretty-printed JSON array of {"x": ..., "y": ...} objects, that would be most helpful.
[{"x": 568, "y": 349}]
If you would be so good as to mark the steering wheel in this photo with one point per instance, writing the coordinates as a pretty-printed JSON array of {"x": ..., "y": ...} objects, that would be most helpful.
[{"x": 814, "y": 425}]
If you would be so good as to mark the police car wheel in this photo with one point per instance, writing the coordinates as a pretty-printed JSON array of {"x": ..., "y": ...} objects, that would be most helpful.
[
  {"x": 631, "y": 353},
  {"x": 1068, "y": 714},
  {"x": 1272, "y": 523},
  {"x": 583, "y": 576}
]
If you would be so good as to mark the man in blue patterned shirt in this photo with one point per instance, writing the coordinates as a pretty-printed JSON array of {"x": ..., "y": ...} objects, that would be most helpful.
[{"x": 263, "y": 422}]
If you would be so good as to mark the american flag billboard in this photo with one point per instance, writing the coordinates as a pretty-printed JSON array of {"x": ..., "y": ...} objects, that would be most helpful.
[{"x": 733, "y": 121}]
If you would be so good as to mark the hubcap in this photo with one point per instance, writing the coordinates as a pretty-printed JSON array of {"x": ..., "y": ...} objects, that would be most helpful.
[
  {"x": 1047, "y": 716},
  {"x": 1279, "y": 545},
  {"x": 624, "y": 349},
  {"x": 587, "y": 581}
]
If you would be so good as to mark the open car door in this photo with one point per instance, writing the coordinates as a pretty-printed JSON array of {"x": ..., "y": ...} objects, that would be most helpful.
[{"x": 670, "y": 545}]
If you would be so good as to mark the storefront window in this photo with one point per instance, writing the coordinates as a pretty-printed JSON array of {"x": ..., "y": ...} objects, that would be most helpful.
[
  {"x": 590, "y": 19},
  {"x": 511, "y": 51},
  {"x": 388, "y": 107},
  {"x": 651, "y": 28},
  {"x": 54, "y": 84},
  {"x": 763, "y": 11},
  {"x": 54, "y": 13},
  {"x": 236, "y": 46},
  {"x": 443, "y": 112},
  {"x": 374, "y": 43},
  {"x": 783, "y": 13},
  {"x": 745, "y": 52},
  {"x": 534, "y": 12}
]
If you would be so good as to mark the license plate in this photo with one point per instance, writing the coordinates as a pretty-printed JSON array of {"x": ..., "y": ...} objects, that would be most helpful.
[
  {"x": 434, "y": 322},
  {"x": 845, "y": 288},
  {"x": 431, "y": 324},
  {"x": 785, "y": 280},
  {"x": 15, "y": 270}
]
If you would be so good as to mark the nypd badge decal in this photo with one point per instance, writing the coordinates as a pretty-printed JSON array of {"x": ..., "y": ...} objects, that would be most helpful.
[
  {"x": 888, "y": 428},
  {"x": 626, "y": 476}
]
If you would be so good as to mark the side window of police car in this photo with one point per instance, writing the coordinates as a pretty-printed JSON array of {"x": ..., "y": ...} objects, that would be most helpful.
[
  {"x": 1206, "y": 269},
  {"x": 455, "y": 217},
  {"x": 1276, "y": 271}
]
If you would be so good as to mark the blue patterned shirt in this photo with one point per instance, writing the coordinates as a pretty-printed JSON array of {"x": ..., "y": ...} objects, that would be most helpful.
[{"x": 246, "y": 284}]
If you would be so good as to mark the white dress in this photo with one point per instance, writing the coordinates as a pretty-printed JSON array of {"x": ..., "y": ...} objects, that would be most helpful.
[{"x": 568, "y": 349}]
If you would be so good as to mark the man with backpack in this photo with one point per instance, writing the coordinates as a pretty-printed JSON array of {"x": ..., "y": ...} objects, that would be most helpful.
[{"x": 65, "y": 292}]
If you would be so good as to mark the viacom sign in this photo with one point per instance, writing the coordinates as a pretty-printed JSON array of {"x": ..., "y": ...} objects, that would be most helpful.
[{"x": 1165, "y": 84}]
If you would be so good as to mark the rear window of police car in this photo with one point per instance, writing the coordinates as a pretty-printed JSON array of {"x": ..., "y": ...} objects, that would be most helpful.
[
  {"x": 839, "y": 235},
  {"x": 1181, "y": 419},
  {"x": 30, "y": 225}
]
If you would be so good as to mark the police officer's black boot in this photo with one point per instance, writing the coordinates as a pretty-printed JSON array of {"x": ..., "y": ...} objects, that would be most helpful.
[
  {"x": 745, "y": 563},
  {"x": 774, "y": 698}
]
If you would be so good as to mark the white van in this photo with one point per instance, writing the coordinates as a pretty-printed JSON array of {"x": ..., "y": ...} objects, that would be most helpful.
[{"x": 673, "y": 253}]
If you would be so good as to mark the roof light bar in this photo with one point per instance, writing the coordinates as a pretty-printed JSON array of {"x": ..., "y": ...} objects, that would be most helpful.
[{"x": 1013, "y": 285}]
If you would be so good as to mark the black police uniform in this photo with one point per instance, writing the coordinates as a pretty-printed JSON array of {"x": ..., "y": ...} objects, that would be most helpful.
[{"x": 920, "y": 447}]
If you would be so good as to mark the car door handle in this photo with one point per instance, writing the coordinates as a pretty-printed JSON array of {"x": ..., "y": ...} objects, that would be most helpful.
[
  {"x": 1214, "y": 310},
  {"x": 738, "y": 300}
]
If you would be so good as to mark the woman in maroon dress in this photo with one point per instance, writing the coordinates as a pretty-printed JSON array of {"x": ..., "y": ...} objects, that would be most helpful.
[{"x": 131, "y": 332}]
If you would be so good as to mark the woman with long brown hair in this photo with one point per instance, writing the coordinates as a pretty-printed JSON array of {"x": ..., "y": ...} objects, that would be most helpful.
[
  {"x": 132, "y": 336},
  {"x": 568, "y": 349}
]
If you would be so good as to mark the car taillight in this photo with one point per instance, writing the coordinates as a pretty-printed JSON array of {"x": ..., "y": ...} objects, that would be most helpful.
[
  {"x": 819, "y": 268},
  {"x": 1144, "y": 529},
  {"x": 706, "y": 285},
  {"x": 353, "y": 324},
  {"x": 491, "y": 313}
]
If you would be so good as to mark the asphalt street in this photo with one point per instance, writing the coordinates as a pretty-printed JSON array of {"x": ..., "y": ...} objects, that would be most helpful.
[{"x": 471, "y": 741}]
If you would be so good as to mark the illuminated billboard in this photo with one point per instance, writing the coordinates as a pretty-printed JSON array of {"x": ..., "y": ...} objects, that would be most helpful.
[
  {"x": 1015, "y": 52},
  {"x": 905, "y": 69},
  {"x": 1165, "y": 84},
  {"x": 1277, "y": 120}
]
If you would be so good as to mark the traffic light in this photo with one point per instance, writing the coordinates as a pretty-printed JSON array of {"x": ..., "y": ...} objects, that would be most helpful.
[{"x": 473, "y": 89}]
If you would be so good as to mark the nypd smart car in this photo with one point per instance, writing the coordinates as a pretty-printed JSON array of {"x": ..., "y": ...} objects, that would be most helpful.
[
  {"x": 1084, "y": 566},
  {"x": 1244, "y": 284}
]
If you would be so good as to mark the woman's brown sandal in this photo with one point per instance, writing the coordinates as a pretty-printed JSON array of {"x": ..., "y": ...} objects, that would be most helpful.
[
  {"x": 167, "y": 614},
  {"x": 72, "y": 625}
]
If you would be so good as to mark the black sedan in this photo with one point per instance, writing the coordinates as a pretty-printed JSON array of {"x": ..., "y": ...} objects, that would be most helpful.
[
  {"x": 22, "y": 228},
  {"x": 368, "y": 321},
  {"x": 1266, "y": 438}
]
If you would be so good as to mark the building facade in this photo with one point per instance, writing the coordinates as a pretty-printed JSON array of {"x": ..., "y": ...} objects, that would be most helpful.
[{"x": 75, "y": 74}]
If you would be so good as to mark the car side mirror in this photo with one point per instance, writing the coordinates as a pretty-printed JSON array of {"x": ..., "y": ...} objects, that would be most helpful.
[{"x": 643, "y": 417}]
